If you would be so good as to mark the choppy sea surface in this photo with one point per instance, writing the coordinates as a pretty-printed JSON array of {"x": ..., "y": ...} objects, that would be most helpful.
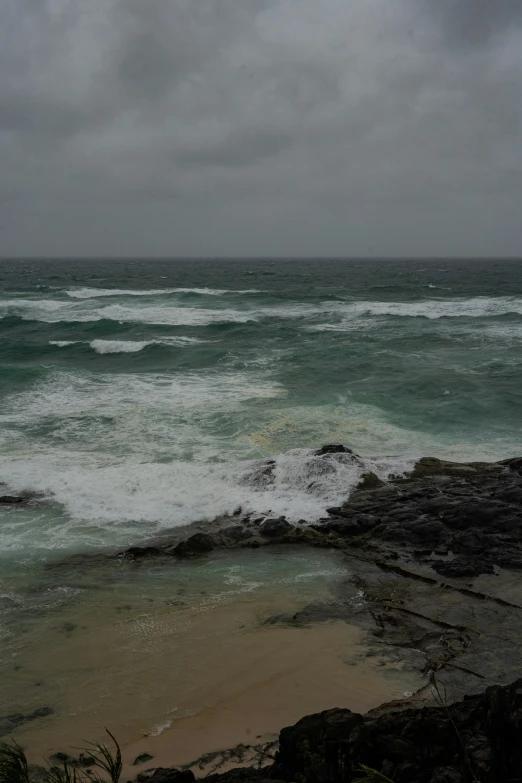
[{"x": 137, "y": 396}]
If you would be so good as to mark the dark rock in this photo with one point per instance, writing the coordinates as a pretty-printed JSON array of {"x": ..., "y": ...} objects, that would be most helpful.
[
  {"x": 234, "y": 533},
  {"x": 475, "y": 739},
  {"x": 60, "y": 758},
  {"x": 347, "y": 527},
  {"x": 162, "y": 775},
  {"x": 241, "y": 775},
  {"x": 81, "y": 761},
  {"x": 463, "y": 566},
  {"x": 137, "y": 552},
  {"x": 144, "y": 757},
  {"x": 441, "y": 506},
  {"x": 12, "y": 500},
  {"x": 275, "y": 528},
  {"x": 446, "y": 775},
  {"x": 332, "y": 449},
  {"x": 515, "y": 464},
  {"x": 84, "y": 761},
  {"x": 198, "y": 544},
  {"x": 369, "y": 481}
]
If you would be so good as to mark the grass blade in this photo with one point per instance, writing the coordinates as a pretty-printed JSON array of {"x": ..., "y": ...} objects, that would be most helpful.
[
  {"x": 13, "y": 763},
  {"x": 105, "y": 759},
  {"x": 372, "y": 775}
]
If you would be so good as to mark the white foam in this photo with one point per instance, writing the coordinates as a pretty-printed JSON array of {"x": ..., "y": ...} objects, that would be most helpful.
[
  {"x": 174, "y": 316},
  {"x": 182, "y": 341},
  {"x": 133, "y": 346},
  {"x": 345, "y": 315},
  {"x": 95, "y": 293},
  {"x": 475, "y": 307},
  {"x": 218, "y": 291},
  {"x": 132, "y": 498},
  {"x": 55, "y": 311},
  {"x": 354, "y": 315},
  {"x": 129, "y": 346},
  {"x": 71, "y": 393},
  {"x": 119, "y": 346}
]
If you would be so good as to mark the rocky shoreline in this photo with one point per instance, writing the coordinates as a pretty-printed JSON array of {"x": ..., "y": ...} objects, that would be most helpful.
[
  {"x": 435, "y": 558},
  {"x": 434, "y": 561}
]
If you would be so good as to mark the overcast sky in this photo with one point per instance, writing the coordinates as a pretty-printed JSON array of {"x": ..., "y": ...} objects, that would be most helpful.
[{"x": 260, "y": 127}]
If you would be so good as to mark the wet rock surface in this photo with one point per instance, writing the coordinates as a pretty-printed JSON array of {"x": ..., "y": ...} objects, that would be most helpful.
[
  {"x": 470, "y": 515},
  {"x": 476, "y": 739}
]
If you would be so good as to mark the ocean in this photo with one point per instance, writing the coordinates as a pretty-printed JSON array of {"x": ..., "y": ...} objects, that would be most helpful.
[{"x": 138, "y": 396}]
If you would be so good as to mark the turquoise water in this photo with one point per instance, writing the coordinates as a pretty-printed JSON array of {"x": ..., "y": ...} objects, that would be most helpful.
[{"x": 137, "y": 396}]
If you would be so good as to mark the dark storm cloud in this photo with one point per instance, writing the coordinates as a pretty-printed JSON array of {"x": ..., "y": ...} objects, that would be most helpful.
[
  {"x": 260, "y": 127},
  {"x": 476, "y": 22},
  {"x": 238, "y": 149}
]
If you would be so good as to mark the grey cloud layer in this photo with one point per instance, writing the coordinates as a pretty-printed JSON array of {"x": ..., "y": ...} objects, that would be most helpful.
[{"x": 213, "y": 127}]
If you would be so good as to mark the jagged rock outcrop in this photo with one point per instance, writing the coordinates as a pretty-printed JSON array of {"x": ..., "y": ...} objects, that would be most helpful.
[{"x": 477, "y": 739}]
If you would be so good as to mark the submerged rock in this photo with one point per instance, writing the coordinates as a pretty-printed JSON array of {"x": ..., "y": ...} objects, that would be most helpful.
[
  {"x": 333, "y": 449},
  {"x": 8, "y": 723},
  {"x": 136, "y": 552}
]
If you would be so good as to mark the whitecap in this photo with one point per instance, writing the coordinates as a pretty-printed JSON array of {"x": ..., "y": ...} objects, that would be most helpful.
[
  {"x": 94, "y": 293},
  {"x": 56, "y": 311},
  {"x": 130, "y": 346},
  {"x": 118, "y": 346}
]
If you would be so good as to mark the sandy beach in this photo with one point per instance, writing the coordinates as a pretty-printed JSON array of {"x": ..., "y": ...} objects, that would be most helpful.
[{"x": 277, "y": 676}]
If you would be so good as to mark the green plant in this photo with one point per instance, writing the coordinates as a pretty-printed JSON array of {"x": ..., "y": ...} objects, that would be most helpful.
[
  {"x": 15, "y": 769},
  {"x": 13, "y": 763},
  {"x": 372, "y": 775},
  {"x": 110, "y": 762},
  {"x": 442, "y": 701},
  {"x": 64, "y": 775}
]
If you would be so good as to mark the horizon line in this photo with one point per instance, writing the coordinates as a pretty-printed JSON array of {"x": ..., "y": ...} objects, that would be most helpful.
[{"x": 260, "y": 258}]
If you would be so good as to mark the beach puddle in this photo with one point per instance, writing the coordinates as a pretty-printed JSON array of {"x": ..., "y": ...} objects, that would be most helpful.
[{"x": 174, "y": 657}]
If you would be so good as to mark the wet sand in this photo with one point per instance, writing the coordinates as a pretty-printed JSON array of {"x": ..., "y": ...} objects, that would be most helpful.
[
  {"x": 179, "y": 662},
  {"x": 277, "y": 676}
]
